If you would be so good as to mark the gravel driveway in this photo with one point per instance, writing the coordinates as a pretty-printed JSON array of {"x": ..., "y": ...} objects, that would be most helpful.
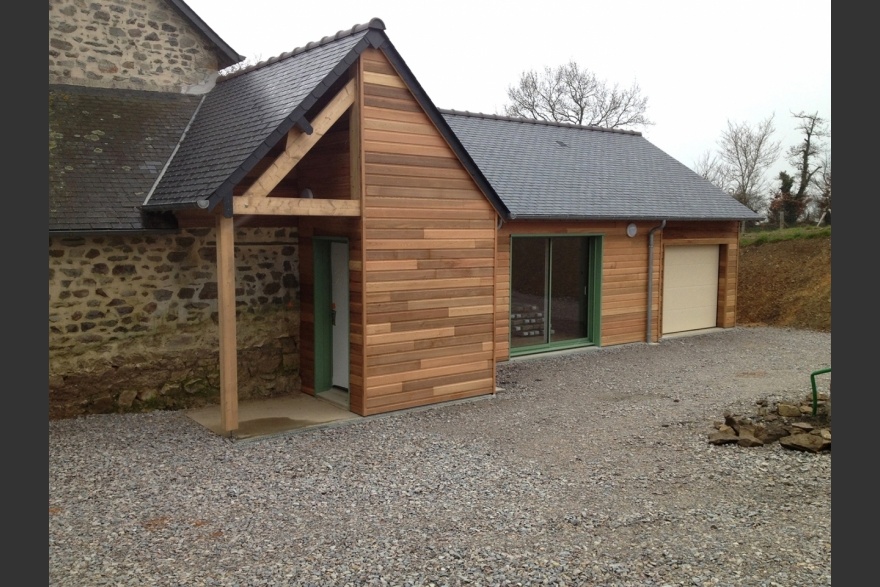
[{"x": 588, "y": 469}]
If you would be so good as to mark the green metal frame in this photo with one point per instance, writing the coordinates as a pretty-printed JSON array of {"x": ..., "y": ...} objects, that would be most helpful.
[
  {"x": 813, "y": 383},
  {"x": 593, "y": 297}
]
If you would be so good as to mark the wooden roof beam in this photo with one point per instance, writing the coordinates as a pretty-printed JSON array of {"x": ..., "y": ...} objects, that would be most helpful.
[
  {"x": 299, "y": 143},
  {"x": 294, "y": 206}
]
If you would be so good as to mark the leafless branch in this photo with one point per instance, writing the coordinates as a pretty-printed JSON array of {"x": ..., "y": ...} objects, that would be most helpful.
[
  {"x": 805, "y": 156},
  {"x": 747, "y": 152},
  {"x": 572, "y": 94}
]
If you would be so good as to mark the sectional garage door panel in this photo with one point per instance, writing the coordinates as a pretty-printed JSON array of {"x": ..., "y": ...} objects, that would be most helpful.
[{"x": 690, "y": 288}]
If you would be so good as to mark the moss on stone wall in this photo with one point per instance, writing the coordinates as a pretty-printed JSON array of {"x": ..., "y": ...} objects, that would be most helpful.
[{"x": 133, "y": 320}]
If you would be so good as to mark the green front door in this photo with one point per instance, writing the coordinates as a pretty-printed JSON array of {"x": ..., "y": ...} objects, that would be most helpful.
[
  {"x": 323, "y": 316},
  {"x": 331, "y": 314}
]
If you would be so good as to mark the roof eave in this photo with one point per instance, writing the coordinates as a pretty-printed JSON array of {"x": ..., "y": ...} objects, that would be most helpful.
[
  {"x": 296, "y": 117},
  {"x": 110, "y": 231},
  {"x": 228, "y": 55},
  {"x": 644, "y": 217}
]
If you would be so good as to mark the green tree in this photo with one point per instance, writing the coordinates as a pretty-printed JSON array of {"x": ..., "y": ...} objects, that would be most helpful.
[{"x": 785, "y": 202}]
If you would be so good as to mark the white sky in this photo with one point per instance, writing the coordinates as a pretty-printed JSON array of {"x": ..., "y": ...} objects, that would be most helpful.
[{"x": 699, "y": 62}]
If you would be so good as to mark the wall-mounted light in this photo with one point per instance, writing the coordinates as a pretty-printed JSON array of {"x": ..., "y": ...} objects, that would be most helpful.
[
  {"x": 632, "y": 229},
  {"x": 307, "y": 194}
]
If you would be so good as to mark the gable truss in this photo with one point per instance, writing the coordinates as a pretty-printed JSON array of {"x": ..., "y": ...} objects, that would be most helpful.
[{"x": 257, "y": 199}]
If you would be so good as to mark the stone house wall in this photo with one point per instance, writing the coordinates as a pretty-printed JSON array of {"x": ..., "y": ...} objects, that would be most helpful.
[
  {"x": 133, "y": 319},
  {"x": 130, "y": 44}
]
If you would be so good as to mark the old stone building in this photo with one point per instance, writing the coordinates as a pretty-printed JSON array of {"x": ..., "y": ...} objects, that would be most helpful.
[
  {"x": 137, "y": 45},
  {"x": 133, "y": 297}
]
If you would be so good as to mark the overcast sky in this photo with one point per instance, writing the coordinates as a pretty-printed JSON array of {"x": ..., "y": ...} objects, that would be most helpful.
[{"x": 699, "y": 62}]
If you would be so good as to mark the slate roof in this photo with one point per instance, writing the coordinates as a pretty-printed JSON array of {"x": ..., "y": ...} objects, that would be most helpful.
[
  {"x": 526, "y": 168},
  {"x": 544, "y": 170},
  {"x": 250, "y": 110},
  {"x": 246, "y": 113},
  {"x": 106, "y": 150}
]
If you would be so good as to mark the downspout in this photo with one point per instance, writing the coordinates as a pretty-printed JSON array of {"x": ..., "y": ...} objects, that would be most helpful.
[
  {"x": 660, "y": 227},
  {"x": 498, "y": 224}
]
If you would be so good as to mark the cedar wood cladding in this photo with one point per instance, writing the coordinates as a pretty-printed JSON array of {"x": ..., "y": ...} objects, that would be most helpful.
[
  {"x": 332, "y": 170},
  {"x": 429, "y": 236},
  {"x": 726, "y": 235},
  {"x": 625, "y": 273}
]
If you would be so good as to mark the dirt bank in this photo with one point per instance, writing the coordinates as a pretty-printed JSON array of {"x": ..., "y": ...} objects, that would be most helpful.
[{"x": 786, "y": 283}]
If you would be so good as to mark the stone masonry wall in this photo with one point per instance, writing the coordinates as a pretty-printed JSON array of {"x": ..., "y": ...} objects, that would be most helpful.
[
  {"x": 133, "y": 320},
  {"x": 132, "y": 44}
]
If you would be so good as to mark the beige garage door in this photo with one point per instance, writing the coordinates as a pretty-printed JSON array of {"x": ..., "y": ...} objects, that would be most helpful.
[{"x": 690, "y": 288}]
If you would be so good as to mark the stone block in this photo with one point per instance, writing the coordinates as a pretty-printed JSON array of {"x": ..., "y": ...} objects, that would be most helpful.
[
  {"x": 126, "y": 398},
  {"x": 788, "y": 410}
]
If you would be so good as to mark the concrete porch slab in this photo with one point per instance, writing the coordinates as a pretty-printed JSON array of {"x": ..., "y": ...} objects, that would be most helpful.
[{"x": 274, "y": 416}]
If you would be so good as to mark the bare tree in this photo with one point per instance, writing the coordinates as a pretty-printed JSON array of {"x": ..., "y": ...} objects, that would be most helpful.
[
  {"x": 569, "y": 93},
  {"x": 710, "y": 167},
  {"x": 822, "y": 184},
  {"x": 807, "y": 156},
  {"x": 746, "y": 152}
]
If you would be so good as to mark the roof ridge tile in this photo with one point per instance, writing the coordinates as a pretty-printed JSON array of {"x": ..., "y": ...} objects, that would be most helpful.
[
  {"x": 374, "y": 23},
  {"x": 538, "y": 122}
]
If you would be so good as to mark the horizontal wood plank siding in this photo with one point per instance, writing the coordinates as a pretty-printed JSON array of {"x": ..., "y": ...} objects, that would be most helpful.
[
  {"x": 326, "y": 169},
  {"x": 430, "y": 265},
  {"x": 624, "y": 273},
  {"x": 502, "y": 296}
]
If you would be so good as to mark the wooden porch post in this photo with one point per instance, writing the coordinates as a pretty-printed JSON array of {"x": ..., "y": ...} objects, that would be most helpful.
[{"x": 226, "y": 314}]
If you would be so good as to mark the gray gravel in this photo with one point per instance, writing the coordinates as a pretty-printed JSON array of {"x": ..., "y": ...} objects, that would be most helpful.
[{"x": 588, "y": 469}]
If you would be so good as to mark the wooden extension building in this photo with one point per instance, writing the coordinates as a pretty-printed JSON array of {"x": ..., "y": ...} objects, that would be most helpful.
[{"x": 434, "y": 244}]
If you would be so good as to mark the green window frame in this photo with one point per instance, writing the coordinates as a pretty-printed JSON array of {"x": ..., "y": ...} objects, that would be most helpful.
[{"x": 555, "y": 287}]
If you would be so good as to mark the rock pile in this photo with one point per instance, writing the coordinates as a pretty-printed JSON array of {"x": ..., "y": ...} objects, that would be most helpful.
[{"x": 793, "y": 425}]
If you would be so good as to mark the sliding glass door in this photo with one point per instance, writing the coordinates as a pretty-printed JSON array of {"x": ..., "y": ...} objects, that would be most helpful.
[{"x": 554, "y": 292}]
